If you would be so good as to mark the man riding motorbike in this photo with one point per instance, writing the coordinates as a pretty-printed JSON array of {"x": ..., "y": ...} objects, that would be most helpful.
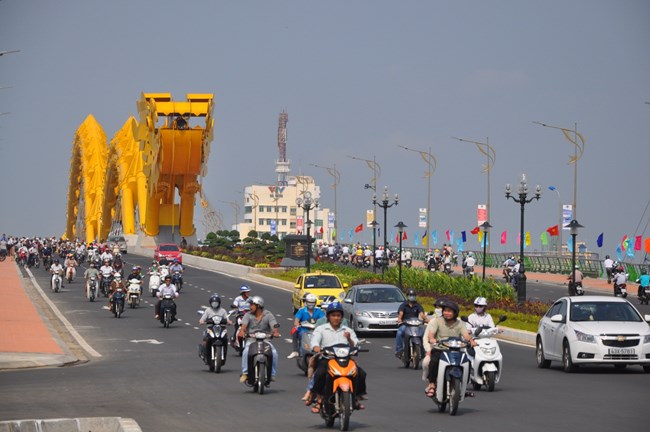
[
  {"x": 54, "y": 268},
  {"x": 115, "y": 284},
  {"x": 88, "y": 274},
  {"x": 407, "y": 310},
  {"x": 241, "y": 301},
  {"x": 166, "y": 289},
  {"x": 215, "y": 310},
  {"x": 258, "y": 320},
  {"x": 304, "y": 314}
]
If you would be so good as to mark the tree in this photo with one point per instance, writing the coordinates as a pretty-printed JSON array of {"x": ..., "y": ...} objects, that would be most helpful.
[{"x": 253, "y": 234}]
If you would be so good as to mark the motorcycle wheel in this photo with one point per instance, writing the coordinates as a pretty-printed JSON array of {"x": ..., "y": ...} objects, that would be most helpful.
[
  {"x": 416, "y": 357},
  {"x": 166, "y": 319},
  {"x": 345, "y": 409},
  {"x": 476, "y": 386},
  {"x": 572, "y": 290},
  {"x": 216, "y": 361},
  {"x": 57, "y": 286},
  {"x": 490, "y": 380},
  {"x": 454, "y": 396},
  {"x": 261, "y": 377}
]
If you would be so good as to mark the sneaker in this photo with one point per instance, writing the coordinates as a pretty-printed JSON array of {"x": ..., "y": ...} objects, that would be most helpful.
[
  {"x": 293, "y": 355},
  {"x": 156, "y": 317},
  {"x": 398, "y": 354},
  {"x": 273, "y": 378},
  {"x": 243, "y": 378}
]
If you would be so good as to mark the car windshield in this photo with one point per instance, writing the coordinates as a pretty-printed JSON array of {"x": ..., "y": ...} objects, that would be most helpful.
[
  {"x": 169, "y": 248},
  {"x": 116, "y": 239},
  {"x": 603, "y": 311},
  {"x": 380, "y": 295},
  {"x": 322, "y": 281}
]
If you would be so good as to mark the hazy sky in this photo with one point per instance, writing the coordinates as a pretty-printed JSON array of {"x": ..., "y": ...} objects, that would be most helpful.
[{"x": 357, "y": 78}]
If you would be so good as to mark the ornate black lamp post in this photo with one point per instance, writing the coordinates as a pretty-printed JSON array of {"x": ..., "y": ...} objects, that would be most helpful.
[
  {"x": 385, "y": 204},
  {"x": 374, "y": 244},
  {"x": 486, "y": 229},
  {"x": 573, "y": 230},
  {"x": 307, "y": 204},
  {"x": 523, "y": 199},
  {"x": 400, "y": 229}
]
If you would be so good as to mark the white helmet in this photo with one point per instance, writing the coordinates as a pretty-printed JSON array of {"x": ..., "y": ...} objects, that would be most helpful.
[
  {"x": 480, "y": 301},
  {"x": 310, "y": 300}
]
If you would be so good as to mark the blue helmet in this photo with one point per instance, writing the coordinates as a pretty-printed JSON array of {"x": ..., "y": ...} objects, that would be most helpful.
[
  {"x": 244, "y": 288},
  {"x": 334, "y": 307}
]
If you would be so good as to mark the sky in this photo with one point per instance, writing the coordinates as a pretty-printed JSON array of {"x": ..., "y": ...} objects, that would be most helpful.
[{"x": 357, "y": 78}]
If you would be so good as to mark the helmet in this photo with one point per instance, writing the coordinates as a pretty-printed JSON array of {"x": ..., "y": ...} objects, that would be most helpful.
[
  {"x": 480, "y": 301},
  {"x": 134, "y": 268},
  {"x": 56, "y": 261},
  {"x": 175, "y": 260},
  {"x": 644, "y": 271},
  {"x": 310, "y": 300},
  {"x": 92, "y": 264},
  {"x": 620, "y": 268},
  {"x": 606, "y": 256},
  {"x": 257, "y": 300},
  {"x": 453, "y": 306},
  {"x": 244, "y": 288},
  {"x": 215, "y": 301},
  {"x": 440, "y": 302},
  {"x": 576, "y": 266},
  {"x": 118, "y": 276},
  {"x": 411, "y": 294},
  {"x": 470, "y": 254},
  {"x": 437, "y": 250},
  {"x": 334, "y": 307},
  {"x": 154, "y": 262}
]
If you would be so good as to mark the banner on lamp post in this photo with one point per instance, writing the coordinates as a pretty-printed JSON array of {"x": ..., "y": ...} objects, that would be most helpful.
[
  {"x": 274, "y": 228},
  {"x": 481, "y": 214},
  {"x": 567, "y": 216},
  {"x": 330, "y": 220},
  {"x": 299, "y": 224},
  {"x": 370, "y": 216},
  {"x": 422, "y": 218}
]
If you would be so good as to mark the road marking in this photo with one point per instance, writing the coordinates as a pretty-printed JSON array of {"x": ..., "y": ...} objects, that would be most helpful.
[
  {"x": 149, "y": 341},
  {"x": 188, "y": 324},
  {"x": 196, "y": 328},
  {"x": 387, "y": 347},
  {"x": 288, "y": 340}
]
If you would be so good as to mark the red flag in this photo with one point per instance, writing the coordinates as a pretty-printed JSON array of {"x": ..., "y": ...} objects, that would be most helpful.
[
  {"x": 321, "y": 230},
  {"x": 637, "y": 243},
  {"x": 647, "y": 245},
  {"x": 359, "y": 228},
  {"x": 554, "y": 230},
  {"x": 397, "y": 238},
  {"x": 504, "y": 236},
  {"x": 448, "y": 238},
  {"x": 404, "y": 235},
  {"x": 475, "y": 230}
]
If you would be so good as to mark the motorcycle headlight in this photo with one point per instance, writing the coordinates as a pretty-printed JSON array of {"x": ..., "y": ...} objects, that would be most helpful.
[
  {"x": 489, "y": 350},
  {"x": 584, "y": 337}
]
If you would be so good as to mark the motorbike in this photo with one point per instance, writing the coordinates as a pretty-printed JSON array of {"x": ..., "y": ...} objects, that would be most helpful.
[
  {"x": 105, "y": 285},
  {"x": 217, "y": 335},
  {"x": 3, "y": 254},
  {"x": 644, "y": 297},
  {"x": 37, "y": 261},
  {"x": 154, "y": 283},
  {"x": 468, "y": 271},
  {"x": 453, "y": 375},
  {"x": 345, "y": 259},
  {"x": 507, "y": 274},
  {"x": 166, "y": 310},
  {"x": 575, "y": 288},
  {"x": 487, "y": 360},
  {"x": 447, "y": 268},
  {"x": 135, "y": 291},
  {"x": 620, "y": 290},
  {"x": 118, "y": 265},
  {"x": 177, "y": 280},
  {"x": 305, "y": 346},
  {"x": 164, "y": 271},
  {"x": 260, "y": 362},
  {"x": 47, "y": 261},
  {"x": 408, "y": 263},
  {"x": 413, "y": 348},
  {"x": 342, "y": 370},
  {"x": 57, "y": 280},
  {"x": 236, "y": 316},
  {"x": 118, "y": 302},
  {"x": 92, "y": 289},
  {"x": 432, "y": 264},
  {"x": 70, "y": 273}
]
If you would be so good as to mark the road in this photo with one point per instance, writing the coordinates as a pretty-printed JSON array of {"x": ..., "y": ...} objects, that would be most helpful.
[{"x": 162, "y": 384}]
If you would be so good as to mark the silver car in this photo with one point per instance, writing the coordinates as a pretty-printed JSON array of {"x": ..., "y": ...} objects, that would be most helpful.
[
  {"x": 373, "y": 307},
  {"x": 120, "y": 241}
]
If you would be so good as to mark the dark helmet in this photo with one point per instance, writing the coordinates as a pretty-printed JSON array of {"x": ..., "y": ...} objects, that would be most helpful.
[
  {"x": 606, "y": 256},
  {"x": 215, "y": 301},
  {"x": 334, "y": 307},
  {"x": 644, "y": 271},
  {"x": 411, "y": 294},
  {"x": 440, "y": 303},
  {"x": 453, "y": 306}
]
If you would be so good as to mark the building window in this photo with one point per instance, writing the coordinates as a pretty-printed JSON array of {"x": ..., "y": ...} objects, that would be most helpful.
[
  {"x": 268, "y": 221},
  {"x": 269, "y": 209},
  {"x": 292, "y": 225},
  {"x": 248, "y": 209},
  {"x": 248, "y": 220},
  {"x": 292, "y": 212},
  {"x": 319, "y": 222},
  {"x": 284, "y": 222},
  {"x": 260, "y": 221},
  {"x": 283, "y": 209}
]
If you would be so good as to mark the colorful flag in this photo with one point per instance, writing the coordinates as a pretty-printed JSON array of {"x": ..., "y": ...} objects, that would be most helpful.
[
  {"x": 475, "y": 231},
  {"x": 624, "y": 242},
  {"x": 359, "y": 228},
  {"x": 480, "y": 237},
  {"x": 351, "y": 235},
  {"x": 322, "y": 230},
  {"x": 637, "y": 243},
  {"x": 554, "y": 230},
  {"x": 434, "y": 237},
  {"x": 484, "y": 240},
  {"x": 447, "y": 232},
  {"x": 619, "y": 253},
  {"x": 544, "y": 239},
  {"x": 569, "y": 245},
  {"x": 504, "y": 237},
  {"x": 464, "y": 236},
  {"x": 416, "y": 240},
  {"x": 647, "y": 245},
  {"x": 451, "y": 237},
  {"x": 527, "y": 238},
  {"x": 396, "y": 238},
  {"x": 459, "y": 245},
  {"x": 424, "y": 238},
  {"x": 404, "y": 237},
  {"x": 630, "y": 252},
  {"x": 519, "y": 238},
  {"x": 599, "y": 242}
]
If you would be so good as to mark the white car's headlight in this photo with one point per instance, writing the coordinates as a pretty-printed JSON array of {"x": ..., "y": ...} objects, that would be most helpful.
[
  {"x": 646, "y": 339},
  {"x": 363, "y": 314},
  {"x": 584, "y": 337}
]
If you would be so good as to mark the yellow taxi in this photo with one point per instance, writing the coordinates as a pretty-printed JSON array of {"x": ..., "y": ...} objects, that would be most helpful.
[{"x": 325, "y": 286}]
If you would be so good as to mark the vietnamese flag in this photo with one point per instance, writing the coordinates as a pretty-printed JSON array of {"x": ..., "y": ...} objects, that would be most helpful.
[
  {"x": 637, "y": 243},
  {"x": 359, "y": 228},
  {"x": 475, "y": 231},
  {"x": 553, "y": 231}
]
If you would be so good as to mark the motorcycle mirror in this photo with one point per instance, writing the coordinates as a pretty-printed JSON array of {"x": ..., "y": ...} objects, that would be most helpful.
[
  {"x": 502, "y": 318},
  {"x": 199, "y": 312},
  {"x": 464, "y": 318}
]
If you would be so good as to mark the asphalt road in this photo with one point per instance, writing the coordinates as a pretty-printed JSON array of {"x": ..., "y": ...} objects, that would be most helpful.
[{"x": 161, "y": 383}]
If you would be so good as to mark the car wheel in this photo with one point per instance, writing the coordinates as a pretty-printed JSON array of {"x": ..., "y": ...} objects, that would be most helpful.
[
  {"x": 542, "y": 363},
  {"x": 646, "y": 369},
  {"x": 567, "y": 362}
]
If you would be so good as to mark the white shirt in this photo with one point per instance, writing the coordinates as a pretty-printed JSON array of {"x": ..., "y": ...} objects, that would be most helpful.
[
  {"x": 345, "y": 250},
  {"x": 56, "y": 268},
  {"x": 620, "y": 278},
  {"x": 167, "y": 289},
  {"x": 106, "y": 271},
  {"x": 608, "y": 263},
  {"x": 470, "y": 261},
  {"x": 326, "y": 336},
  {"x": 476, "y": 320}
]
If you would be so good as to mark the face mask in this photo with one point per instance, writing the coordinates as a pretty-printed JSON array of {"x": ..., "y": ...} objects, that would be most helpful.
[
  {"x": 479, "y": 309},
  {"x": 311, "y": 305},
  {"x": 215, "y": 305},
  {"x": 411, "y": 298}
]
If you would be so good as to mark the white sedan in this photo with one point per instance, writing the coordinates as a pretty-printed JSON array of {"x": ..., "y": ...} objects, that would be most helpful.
[{"x": 593, "y": 330}]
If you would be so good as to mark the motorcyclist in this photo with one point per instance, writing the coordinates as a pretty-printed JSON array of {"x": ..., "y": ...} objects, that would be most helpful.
[
  {"x": 166, "y": 288},
  {"x": 305, "y": 313},
  {"x": 327, "y": 335},
  {"x": 88, "y": 274},
  {"x": 469, "y": 263},
  {"x": 115, "y": 284},
  {"x": 358, "y": 255},
  {"x": 258, "y": 320},
  {"x": 33, "y": 254},
  {"x": 643, "y": 281},
  {"x": 480, "y": 317},
  {"x": 70, "y": 265},
  {"x": 215, "y": 310},
  {"x": 609, "y": 266},
  {"x": 620, "y": 279},
  {"x": 176, "y": 267},
  {"x": 241, "y": 301},
  {"x": 107, "y": 256},
  {"x": 579, "y": 275},
  {"x": 439, "y": 328},
  {"x": 407, "y": 310},
  {"x": 56, "y": 268}
]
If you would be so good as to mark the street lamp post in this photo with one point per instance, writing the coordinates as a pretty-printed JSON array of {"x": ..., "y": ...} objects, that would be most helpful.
[
  {"x": 491, "y": 157},
  {"x": 486, "y": 228},
  {"x": 256, "y": 201},
  {"x": 573, "y": 230},
  {"x": 432, "y": 162},
  {"x": 400, "y": 229},
  {"x": 374, "y": 243},
  {"x": 579, "y": 148},
  {"x": 559, "y": 223},
  {"x": 523, "y": 199},
  {"x": 337, "y": 179},
  {"x": 385, "y": 204},
  {"x": 307, "y": 204},
  {"x": 376, "y": 172}
]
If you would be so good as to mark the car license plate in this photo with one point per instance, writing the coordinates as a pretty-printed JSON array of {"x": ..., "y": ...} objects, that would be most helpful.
[
  {"x": 620, "y": 351},
  {"x": 386, "y": 322}
]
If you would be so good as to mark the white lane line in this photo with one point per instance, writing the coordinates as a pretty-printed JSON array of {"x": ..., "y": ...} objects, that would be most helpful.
[
  {"x": 387, "y": 347},
  {"x": 188, "y": 324},
  {"x": 288, "y": 340},
  {"x": 195, "y": 328}
]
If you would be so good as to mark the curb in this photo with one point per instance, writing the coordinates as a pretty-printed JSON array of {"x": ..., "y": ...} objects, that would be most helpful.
[{"x": 83, "y": 424}]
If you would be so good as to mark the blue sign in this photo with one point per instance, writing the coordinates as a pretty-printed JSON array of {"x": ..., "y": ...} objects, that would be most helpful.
[{"x": 274, "y": 228}]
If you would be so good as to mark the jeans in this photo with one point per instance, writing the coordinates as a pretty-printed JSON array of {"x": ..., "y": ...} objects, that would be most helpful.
[
  {"x": 244, "y": 358},
  {"x": 399, "y": 338}
]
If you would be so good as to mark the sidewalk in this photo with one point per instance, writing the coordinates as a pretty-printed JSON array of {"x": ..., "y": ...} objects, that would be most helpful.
[{"x": 26, "y": 339}]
